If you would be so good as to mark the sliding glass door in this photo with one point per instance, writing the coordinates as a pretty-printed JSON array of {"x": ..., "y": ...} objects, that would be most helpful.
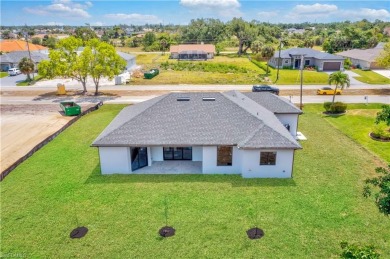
[
  {"x": 177, "y": 153},
  {"x": 139, "y": 157}
]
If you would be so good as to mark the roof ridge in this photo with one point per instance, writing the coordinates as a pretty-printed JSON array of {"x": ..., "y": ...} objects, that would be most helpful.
[{"x": 251, "y": 136}]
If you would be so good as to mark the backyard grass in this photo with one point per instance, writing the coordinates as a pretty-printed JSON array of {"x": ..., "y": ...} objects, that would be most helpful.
[
  {"x": 3, "y": 74},
  {"x": 357, "y": 123},
  {"x": 60, "y": 187},
  {"x": 370, "y": 77}
]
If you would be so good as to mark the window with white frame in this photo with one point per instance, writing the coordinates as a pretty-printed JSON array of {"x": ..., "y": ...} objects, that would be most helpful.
[{"x": 267, "y": 158}]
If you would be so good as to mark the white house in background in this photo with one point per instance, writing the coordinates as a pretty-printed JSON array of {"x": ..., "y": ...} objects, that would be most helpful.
[
  {"x": 364, "y": 58},
  {"x": 291, "y": 58},
  {"x": 252, "y": 134}
]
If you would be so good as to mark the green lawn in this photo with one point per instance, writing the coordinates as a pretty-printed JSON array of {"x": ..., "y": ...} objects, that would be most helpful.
[
  {"x": 60, "y": 187},
  {"x": 371, "y": 77},
  {"x": 3, "y": 74},
  {"x": 27, "y": 82},
  {"x": 358, "y": 123}
]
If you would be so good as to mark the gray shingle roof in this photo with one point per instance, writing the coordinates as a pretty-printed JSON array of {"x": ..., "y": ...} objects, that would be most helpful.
[
  {"x": 369, "y": 55},
  {"x": 16, "y": 56},
  {"x": 309, "y": 53},
  {"x": 232, "y": 119},
  {"x": 125, "y": 56},
  {"x": 273, "y": 103}
]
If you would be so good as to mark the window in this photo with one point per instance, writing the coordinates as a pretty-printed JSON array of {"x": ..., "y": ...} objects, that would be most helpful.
[
  {"x": 307, "y": 62},
  {"x": 267, "y": 158},
  {"x": 224, "y": 155},
  {"x": 286, "y": 61}
]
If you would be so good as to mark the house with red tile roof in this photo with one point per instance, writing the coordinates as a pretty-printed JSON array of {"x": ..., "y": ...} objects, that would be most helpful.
[{"x": 20, "y": 45}]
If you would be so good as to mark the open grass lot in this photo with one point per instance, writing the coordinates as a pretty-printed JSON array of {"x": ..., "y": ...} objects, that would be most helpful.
[
  {"x": 371, "y": 77},
  {"x": 60, "y": 187},
  {"x": 3, "y": 74},
  {"x": 358, "y": 123}
]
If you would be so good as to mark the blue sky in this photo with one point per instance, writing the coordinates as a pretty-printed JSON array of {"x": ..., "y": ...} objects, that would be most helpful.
[{"x": 67, "y": 12}]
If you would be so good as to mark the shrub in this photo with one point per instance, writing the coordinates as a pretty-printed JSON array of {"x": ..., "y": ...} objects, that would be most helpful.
[
  {"x": 381, "y": 131},
  {"x": 352, "y": 251},
  {"x": 337, "y": 107},
  {"x": 381, "y": 184}
]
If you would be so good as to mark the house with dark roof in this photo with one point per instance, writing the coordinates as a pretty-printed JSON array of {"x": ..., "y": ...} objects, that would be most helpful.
[
  {"x": 364, "y": 58},
  {"x": 12, "y": 59},
  {"x": 252, "y": 134},
  {"x": 192, "y": 51},
  {"x": 291, "y": 58}
]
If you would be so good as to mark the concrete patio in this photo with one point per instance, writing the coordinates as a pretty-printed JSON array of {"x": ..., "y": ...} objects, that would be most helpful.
[{"x": 171, "y": 167}]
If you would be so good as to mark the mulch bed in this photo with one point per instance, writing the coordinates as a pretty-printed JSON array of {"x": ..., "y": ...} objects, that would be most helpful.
[
  {"x": 167, "y": 231},
  {"x": 334, "y": 114},
  {"x": 255, "y": 233},
  {"x": 374, "y": 137},
  {"x": 78, "y": 232}
]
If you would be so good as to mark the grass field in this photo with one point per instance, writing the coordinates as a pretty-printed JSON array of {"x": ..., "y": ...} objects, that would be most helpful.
[
  {"x": 3, "y": 74},
  {"x": 371, "y": 77},
  {"x": 60, "y": 188},
  {"x": 358, "y": 123}
]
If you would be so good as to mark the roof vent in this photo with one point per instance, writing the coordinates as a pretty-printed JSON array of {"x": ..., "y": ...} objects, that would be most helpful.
[
  {"x": 183, "y": 99},
  {"x": 208, "y": 99}
]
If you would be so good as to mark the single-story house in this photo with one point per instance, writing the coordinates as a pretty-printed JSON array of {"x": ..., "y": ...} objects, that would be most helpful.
[
  {"x": 130, "y": 60},
  {"x": 20, "y": 45},
  {"x": 12, "y": 59},
  {"x": 192, "y": 51},
  {"x": 291, "y": 58},
  {"x": 364, "y": 58},
  {"x": 252, "y": 134}
]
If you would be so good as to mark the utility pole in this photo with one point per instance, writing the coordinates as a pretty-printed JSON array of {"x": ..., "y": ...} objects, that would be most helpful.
[
  {"x": 28, "y": 47},
  {"x": 301, "y": 67}
]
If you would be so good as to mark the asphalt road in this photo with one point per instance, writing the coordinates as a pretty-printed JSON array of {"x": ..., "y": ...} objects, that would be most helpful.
[{"x": 11, "y": 80}]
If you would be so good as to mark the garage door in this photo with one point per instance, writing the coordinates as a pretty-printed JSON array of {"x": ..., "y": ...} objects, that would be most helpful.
[{"x": 331, "y": 66}]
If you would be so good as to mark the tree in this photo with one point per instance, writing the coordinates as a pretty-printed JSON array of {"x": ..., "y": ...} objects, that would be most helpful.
[
  {"x": 382, "y": 197},
  {"x": 384, "y": 58},
  {"x": 49, "y": 42},
  {"x": 105, "y": 62},
  {"x": 65, "y": 62},
  {"x": 36, "y": 40},
  {"x": 383, "y": 115},
  {"x": 149, "y": 39},
  {"x": 85, "y": 34},
  {"x": 26, "y": 66},
  {"x": 340, "y": 79},
  {"x": 244, "y": 32},
  {"x": 256, "y": 46},
  {"x": 267, "y": 52}
]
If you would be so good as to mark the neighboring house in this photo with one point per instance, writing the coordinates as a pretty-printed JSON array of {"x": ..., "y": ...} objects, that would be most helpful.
[
  {"x": 386, "y": 31},
  {"x": 130, "y": 60},
  {"x": 252, "y": 134},
  {"x": 192, "y": 51},
  {"x": 291, "y": 58},
  {"x": 20, "y": 45},
  {"x": 12, "y": 59},
  {"x": 364, "y": 58}
]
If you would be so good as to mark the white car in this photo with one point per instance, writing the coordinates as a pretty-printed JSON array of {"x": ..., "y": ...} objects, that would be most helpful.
[{"x": 14, "y": 71}]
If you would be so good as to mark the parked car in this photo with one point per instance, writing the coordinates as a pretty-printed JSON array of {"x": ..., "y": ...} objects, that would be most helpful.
[
  {"x": 265, "y": 88},
  {"x": 328, "y": 90},
  {"x": 14, "y": 71}
]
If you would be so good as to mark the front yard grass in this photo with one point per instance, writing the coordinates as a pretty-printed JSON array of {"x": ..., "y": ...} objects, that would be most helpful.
[
  {"x": 370, "y": 77},
  {"x": 30, "y": 82},
  {"x": 60, "y": 187},
  {"x": 3, "y": 74}
]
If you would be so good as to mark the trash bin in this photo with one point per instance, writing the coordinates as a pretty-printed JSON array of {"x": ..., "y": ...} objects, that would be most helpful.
[
  {"x": 151, "y": 73},
  {"x": 70, "y": 108},
  {"x": 61, "y": 89}
]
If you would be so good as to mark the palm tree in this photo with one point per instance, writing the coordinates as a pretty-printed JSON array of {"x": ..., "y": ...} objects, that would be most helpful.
[
  {"x": 340, "y": 79},
  {"x": 267, "y": 52},
  {"x": 26, "y": 66}
]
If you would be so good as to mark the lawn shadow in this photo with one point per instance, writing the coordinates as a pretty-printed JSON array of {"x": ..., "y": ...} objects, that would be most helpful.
[{"x": 235, "y": 180}]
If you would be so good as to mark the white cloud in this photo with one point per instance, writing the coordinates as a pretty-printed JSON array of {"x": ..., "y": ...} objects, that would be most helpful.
[
  {"x": 134, "y": 18},
  {"x": 224, "y": 4},
  {"x": 314, "y": 9},
  {"x": 266, "y": 15},
  {"x": 62, "y": 8},
  {"x": 224, "y": 8},
  {"x": 365, "y": 13}
]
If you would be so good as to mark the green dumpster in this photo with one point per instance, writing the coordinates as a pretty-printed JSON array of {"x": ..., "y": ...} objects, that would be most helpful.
[
  {"x": 70, "y": 108},
  {"x": 151, "y": 73}
]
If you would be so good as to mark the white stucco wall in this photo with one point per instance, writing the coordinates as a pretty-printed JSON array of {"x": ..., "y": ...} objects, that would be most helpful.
[
  {"x": 251, "y": 167},
  {"x": 291, "y": 119},
  {"x": 115, "y": 160},
  {"x": 157, "y": 153},
  {"x": 209, "y": 164},
  {"x": 197, "y": 153}
]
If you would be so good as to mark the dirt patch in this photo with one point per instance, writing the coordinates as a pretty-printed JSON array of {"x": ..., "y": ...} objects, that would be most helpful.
[{"x": 25, "y": 126}]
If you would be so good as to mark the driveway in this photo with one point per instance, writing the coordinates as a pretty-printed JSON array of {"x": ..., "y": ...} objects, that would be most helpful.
[
  {"x": 383, "y": 72},
  {"x": 351, "y": 78},
  {"x": 11, "y": 80}
]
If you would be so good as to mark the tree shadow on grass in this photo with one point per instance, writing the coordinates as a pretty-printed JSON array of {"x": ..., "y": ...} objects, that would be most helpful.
[{"x": 235, "y": 180}]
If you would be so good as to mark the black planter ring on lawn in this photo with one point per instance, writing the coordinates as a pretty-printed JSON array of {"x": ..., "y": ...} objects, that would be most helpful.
[
  {"x": 78, "y": 232},
  {"x": 372, "y": 135},
  {"x": 167, "y": 231},
  {"x": 255, "y": 233}
]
